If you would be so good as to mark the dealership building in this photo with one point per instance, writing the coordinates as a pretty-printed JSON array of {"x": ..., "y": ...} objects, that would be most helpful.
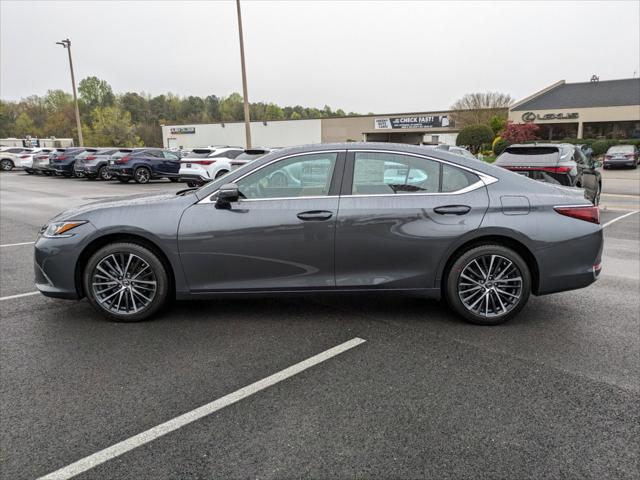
[
  {"x": 596, "y": 109},
  {"x": 415, "y": 128}
]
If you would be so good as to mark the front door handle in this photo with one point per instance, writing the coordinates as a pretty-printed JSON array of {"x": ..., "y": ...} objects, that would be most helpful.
[
  {"x": 452, "y": 209},
  {"x": 317, "y": 215}
]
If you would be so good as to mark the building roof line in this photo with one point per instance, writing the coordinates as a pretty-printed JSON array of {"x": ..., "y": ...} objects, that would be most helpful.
[{"x": 537, "y": 94}]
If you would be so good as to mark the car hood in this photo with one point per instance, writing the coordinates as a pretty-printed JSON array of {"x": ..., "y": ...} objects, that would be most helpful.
[{"x": 133, "y": 201}]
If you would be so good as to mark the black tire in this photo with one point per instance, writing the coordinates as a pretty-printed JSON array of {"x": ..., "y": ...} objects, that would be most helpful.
[
  {"x": 192, "y": 184},
  {"x": 221, "y": 173},
  {"x": 6, "y": 165},
  {"x": 478, "y": 253},
  {"x": 123, "y": 179},
  {"x": 29, "y": 171},
  {"x": 142, "y": 175},
  {"x": 159, "y": 297},
  {"x": 104, "y": 174}
]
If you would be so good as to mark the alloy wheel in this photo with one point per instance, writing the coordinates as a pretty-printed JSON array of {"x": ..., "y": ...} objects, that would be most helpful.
[
  {"x": 6, "y": 165},
  {"x": 124, "y": 283},
  {"x": 142, "y": 175},
  {"x": 104, "y": 174},
  {"x": 490, "y": 286}
]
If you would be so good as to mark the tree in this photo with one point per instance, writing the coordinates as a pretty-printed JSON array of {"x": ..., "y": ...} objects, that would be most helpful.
[
  {"x": 111, "y": 127},
  {"x": 479, "y": 108},
  {"x": 57, "y": 100},
  {"x": 232, "y": 108},
  {"x": 273, "y": 112},
  {"x": 136, "y": 105},
  {"x": 519, "y": 132},
  {"x": 474, "y": 136},
  {"x": 497, "y": 124},
  {"x": 95, "y": 93},
  {"x": 295, "y": 116},
  {"x": 212, "y": 108},
  {"x": 24, "y": 126}
]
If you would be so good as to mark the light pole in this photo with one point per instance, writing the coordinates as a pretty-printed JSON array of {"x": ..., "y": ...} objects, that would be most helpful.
[
  {"x": 67, "y": 44},
  {"x": 245, "y": 94}
]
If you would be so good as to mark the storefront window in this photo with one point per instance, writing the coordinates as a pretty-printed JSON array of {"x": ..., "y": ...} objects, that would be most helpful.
[
  {"x": 616, "y": 130},
  {"x": 557, "y": 131}
]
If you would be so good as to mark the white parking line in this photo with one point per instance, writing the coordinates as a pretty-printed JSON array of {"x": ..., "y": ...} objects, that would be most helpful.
[
  {"x": 619, "y": 218},
  {"x": 16, "y": 244},
  {"x": 147, "y": 436},
  {"x": 20, "y": 295}
]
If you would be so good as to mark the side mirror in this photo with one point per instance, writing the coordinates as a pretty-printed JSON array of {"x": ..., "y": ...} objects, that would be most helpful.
[{"x": 227, "y": 194}]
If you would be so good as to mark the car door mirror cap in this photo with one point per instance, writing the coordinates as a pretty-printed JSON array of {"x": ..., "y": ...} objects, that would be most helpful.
[{"x": 227, "y": 194}]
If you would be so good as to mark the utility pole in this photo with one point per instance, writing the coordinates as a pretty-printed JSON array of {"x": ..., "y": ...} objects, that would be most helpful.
[
  {"x": 67, "y": 44},
  {"x": 245, "y": 94}
]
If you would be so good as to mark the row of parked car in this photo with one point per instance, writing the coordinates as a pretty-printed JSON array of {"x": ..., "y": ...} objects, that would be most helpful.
[{"x": 196, "y": 167}]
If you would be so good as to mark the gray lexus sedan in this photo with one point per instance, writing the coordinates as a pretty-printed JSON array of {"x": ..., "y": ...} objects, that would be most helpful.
[{"x": 353, "y": 217}]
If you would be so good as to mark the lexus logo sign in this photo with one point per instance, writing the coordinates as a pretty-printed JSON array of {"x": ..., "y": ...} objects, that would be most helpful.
[{"x": 532, "y": 117}]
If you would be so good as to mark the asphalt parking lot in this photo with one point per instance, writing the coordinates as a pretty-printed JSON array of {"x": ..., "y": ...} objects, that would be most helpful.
[{"x": 552, "y": 394}]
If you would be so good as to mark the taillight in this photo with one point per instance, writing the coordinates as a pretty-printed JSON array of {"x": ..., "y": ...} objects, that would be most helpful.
[
  {"x": 198, "y": 162},
  {"x": 24, "y": 156},
  {"x": 124, "y": 159},
  {"x": 539, "y": 169},
  {"x": 630, "y": 155},
  {"x": 90, "y": 157},
  {"x": 608, "y": 157},
  {"x": 588, "y": 213},
  {"x": 61, "y": 157}
]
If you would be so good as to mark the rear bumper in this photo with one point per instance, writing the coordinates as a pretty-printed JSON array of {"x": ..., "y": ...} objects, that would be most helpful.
[
  {"x": 63, "y": 169},
  {"x": 570, "y": 265},
  {"x": 199, "y": 179},
  {"x": 626, "y": 162}
]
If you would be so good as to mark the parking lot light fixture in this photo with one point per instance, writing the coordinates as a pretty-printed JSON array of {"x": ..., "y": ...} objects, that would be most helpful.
[
  {"x": 66, "y": 43},
  {"x": 245, "y": 94}
]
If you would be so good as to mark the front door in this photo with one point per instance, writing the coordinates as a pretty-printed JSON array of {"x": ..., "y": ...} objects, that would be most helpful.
[
  {"x": 278, "y": 236},
  {"x": 398, "y": 216}
]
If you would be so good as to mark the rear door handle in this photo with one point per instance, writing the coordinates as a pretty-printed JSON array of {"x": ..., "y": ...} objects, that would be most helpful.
[
  {"x": 317, "y": 215},
  {"x": 452, "y": 209}
]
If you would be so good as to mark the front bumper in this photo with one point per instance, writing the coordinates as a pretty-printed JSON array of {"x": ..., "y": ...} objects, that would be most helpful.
[
  {"x": 619, "y": 162},
  {"x": 55, "y": 261}
]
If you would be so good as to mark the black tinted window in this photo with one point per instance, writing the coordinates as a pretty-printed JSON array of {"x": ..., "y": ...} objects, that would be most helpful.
[{"x": 454, "y": 179}]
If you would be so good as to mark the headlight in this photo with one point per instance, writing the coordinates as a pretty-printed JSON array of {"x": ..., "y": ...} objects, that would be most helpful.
[{"x": 60, "y": 229}]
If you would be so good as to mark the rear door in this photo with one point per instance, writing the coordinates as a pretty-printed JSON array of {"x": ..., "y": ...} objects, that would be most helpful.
[
  {"x": 171, "y": 163},
  {"x": 398, "y": 215}
]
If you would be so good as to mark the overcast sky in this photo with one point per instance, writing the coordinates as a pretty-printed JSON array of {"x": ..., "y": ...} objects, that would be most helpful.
[{"x": 381, "y": 57}]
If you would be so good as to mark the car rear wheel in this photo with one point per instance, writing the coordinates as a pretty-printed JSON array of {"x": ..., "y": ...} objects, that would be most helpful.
[
  {"x": 488, "y": 284},
  {"x": 6, "y": 165},
  {"x": 126, "y": 282},
  {"x": 104, "y": 174},
  {"x": 142, "y": 175},
  {"x": 221, "y": 173}
]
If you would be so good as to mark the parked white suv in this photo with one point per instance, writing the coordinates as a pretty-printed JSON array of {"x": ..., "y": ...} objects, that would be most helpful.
[
  {"x": 25, "y": 159},
  {"x": 9, "y": 157},
  {"x": 201, "y": 165}
]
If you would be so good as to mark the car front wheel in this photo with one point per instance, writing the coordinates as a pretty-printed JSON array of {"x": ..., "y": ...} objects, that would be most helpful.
[
  {"x": 488, "y": 284},
  {"x": 126, "y": 282}
]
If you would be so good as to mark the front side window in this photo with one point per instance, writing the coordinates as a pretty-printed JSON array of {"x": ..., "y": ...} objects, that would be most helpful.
[
  {"x": 171, "y": 156},
  {"x": 391, "y": 173},
  {"x": 300, "y": 176}
]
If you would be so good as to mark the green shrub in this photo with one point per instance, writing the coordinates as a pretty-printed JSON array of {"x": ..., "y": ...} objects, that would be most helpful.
[
  {"x": 474, "y": 136},
  {"x": 601, "y": 146},
  {"x": 500, "y": 146}
]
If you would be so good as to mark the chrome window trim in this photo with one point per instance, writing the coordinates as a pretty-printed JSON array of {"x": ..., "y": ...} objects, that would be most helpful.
[{"x": 485, "y": 179}]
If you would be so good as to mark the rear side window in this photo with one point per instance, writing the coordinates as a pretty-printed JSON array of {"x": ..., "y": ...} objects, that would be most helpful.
[
  {"x": 454, "y": 179},
  {"x": 391, "y": 173}
]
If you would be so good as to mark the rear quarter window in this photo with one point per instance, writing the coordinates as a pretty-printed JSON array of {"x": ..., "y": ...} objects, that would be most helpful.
[{"x": 454, "y": 179}]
